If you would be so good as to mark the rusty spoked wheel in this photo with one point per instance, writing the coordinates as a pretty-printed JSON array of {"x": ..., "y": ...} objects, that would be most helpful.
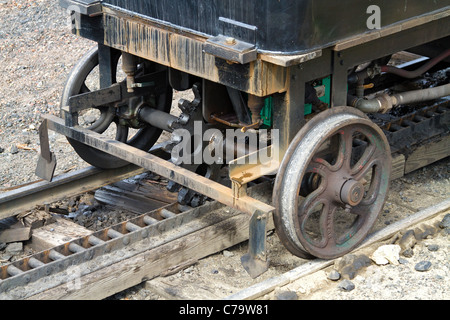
[
  {"x": 106, "y": 119},
  {"x": 332, "y": 184}
]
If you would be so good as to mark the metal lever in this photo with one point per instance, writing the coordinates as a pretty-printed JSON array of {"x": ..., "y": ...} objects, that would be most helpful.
[{"x": 46, "y": 165}]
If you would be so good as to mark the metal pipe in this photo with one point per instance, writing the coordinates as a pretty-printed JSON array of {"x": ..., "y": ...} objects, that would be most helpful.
[
  {"x": 416, "y": 73},
  {"x": 158, "y": 119},
  {"x": 149, "y": 220},
  {"x": 75, "y": 248},
  {"x": 114, "y": 234},
  {"x": 379, "y": 104},
  {"x": 129, "y": 66},
  {"x": 93, "y": 240},
  {"x": 167, "y": 214},
  {"x": 131, "y": 227},
  {"x": 35, "y": 263},
  {"x": 13, "y": 271},
  {"x": 385, "y": 102},
  {"x": 422, "y": 95},
  {"x": 55, "y": 255}
]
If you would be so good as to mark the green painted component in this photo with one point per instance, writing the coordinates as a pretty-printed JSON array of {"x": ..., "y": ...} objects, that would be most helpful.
[
  {"x": 266, "y": 112},
  {"x": 325, "y": 97}
]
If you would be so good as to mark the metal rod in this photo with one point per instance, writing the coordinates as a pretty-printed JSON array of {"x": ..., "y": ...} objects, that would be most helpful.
[
  {"x": 167, "y": 214},
  {"x": 55, "y": 255},
  {"x": 95, "y": 241},
  {"x": 149, "y": 220},
  {"x": 35, "y": 263},
  {"x": 157, "y": 118},
  {"x": 75, "y": 248},
  {"x": 114, "y": 234},
  {"x": 13, "y": 271},
  {"x": 132, "y": 227}
]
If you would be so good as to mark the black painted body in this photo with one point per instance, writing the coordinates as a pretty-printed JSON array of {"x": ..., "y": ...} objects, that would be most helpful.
[{"x": 283, "y": 26}]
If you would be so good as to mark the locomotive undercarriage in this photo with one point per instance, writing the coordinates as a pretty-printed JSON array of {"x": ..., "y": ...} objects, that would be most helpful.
[{"x": 330, "y": 162}]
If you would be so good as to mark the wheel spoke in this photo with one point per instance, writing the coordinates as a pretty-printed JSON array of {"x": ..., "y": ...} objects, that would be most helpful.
[
  {"x": 350, "y": 231},
  {"x": 102, "y": 118},
  {"x": 122, "y": 133},
  {"x": 320, "y": 166},
  {"x": 105, "y": 120},
  {"x": 364, "y": 165},
  {"x": 318, "y": 231},
  {"x": 309, "y": 206},
  {"x": 327, "y": 225},
  {"x": 375, "y": 183},
  {"x": 345, "y": 149},
  {"x": 84, "y": 88}
]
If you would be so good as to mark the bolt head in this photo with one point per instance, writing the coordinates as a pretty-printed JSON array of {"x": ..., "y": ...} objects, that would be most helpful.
[{"x": 230, "y": 41}]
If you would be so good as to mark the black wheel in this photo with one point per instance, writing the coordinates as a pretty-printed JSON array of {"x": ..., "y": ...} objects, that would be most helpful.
[
  {"x": 332, "y": 184},
  {"x": 84, "y": 78}
]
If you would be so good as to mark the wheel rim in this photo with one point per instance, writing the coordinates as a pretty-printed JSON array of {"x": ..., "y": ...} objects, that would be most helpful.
[
  {"x": 327, "y": 201},
  {"x": 106, "y": 117}
]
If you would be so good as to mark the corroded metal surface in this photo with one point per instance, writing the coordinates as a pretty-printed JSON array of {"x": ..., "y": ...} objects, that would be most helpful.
[
  {"x": 185, "y": 52},
  {"x": 26, "y": 198},
  {"x": 314, "y": 184},
  {"x": 161, "y": 167}
]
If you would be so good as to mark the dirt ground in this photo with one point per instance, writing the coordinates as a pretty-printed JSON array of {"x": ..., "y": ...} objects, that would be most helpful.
[{"x": 37, "y": 51}]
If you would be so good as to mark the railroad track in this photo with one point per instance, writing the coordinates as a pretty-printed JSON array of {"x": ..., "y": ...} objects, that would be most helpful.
[
  {"x": 107, "y": 261},
  {"x": 148, "y": 245},
  {"x": 116, "y": 258}
]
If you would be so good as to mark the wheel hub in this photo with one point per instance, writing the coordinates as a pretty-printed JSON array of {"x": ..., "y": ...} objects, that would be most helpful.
[{"x": 352, "y": 192}]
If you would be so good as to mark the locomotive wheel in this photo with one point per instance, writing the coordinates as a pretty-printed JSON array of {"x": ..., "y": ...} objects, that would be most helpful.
[
  {"x": 103, "y": 119},
  {"x": 332, "y": 184}
]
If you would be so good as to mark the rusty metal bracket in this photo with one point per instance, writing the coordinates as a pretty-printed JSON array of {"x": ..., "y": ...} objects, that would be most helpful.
[
  {"x": 236, "y": 42},
  {"x": 230, "y": 49},
  {"x": 255, "y": 262}
]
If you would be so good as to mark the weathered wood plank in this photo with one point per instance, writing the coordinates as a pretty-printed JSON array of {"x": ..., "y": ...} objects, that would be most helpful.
[
  {"x": 398, "y": 166},
  {"x": 427, "y": 154},
  {"x": 37, "y": 219},
  {"x": 12, "y": 230},
  {"x": 16, "y": 234},
  {"x": 56, "y": 234}
]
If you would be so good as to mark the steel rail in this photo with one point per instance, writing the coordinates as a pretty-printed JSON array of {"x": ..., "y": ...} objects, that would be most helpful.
[
  {"x": 27, "y": 197},
  {"x": 74, "y": 183}
]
